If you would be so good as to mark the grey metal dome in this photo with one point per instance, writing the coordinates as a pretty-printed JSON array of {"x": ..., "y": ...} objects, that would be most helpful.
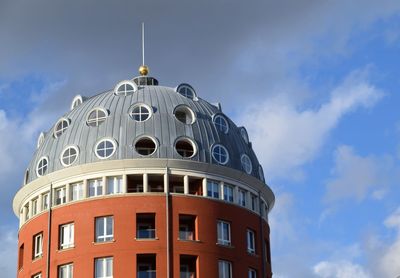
[{"x": 162, "y": 126}]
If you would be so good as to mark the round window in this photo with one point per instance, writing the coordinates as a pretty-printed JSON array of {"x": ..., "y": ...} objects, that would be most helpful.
[
  {"x": 78, "y": 100},
  {"x": 69, "y": 155},
  {"x": 185, "y": 147},
  {"x": 184, "y": 114},
  {"x": 40, "y": 140},
  {"x": 246, "y": 163},
  {"x": 145, "y": 146},
  {"x": 261, "y": 173},
  {"x": 96, "y": 117},
  {"x": 244, "y": 134},
  {"x": 140, "y": 112},
  {"x": 186, "y": 91},
  {"x": 105, "y": 148},
  {"x": 220, "y": 154},
  {"x": 221, "y": 124},
  {"x": 41, "y": 167},
  {"x": 60, "y": 127},
  {"x": 125, "y": 88}
]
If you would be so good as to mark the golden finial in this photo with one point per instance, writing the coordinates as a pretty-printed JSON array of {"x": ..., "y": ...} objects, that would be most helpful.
[{"x": 143, "y": 69}]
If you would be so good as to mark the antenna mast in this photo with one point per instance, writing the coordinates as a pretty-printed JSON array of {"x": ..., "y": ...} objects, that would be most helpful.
[
  {"x": 142, "y": 43},
  {"x": 143, "y": 69}
]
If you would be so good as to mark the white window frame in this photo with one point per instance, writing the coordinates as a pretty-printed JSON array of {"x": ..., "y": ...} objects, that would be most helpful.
[
  {"x": 105, "y": 148},
  {"x": 228, "y": 193},
  {"x": 97, "y": 186},
  {"x": 46, "y": 201},
  {"x": 101, "y": 235},
  {"x": 143, "y": 114},
  {"x": 114, "y": 185},
  {"x": 57, "y": 132},
  {"x": 251, "y": 241},
  {"x": 78, "y": 100},
  {"x": 42, "y": 166},
  {"x": 149, "y": 138},
  {"x": 37, "y": 275},
  {"x": 103, "y": 263},
  {"x": 252, "y": 273},
  {"x": 35, "y": 206},
  {"x": 189, "y": 141},
  {"x": 69, "y": 271},
  {"x": 253, "y": 202},
  {"x": 187, "y": 110},
  {"x": 125, "y": 91},
  {"x": 247, "y": 165},
  {"x": 98, "y": 119},
  {"x": 76, "y": 191},
  {"x": 242, "y": 197},
  {"x": 60, "y": 195},
  {"x": 66, "y": 236},
  {"x": 222, "y": 237},
  {"x": 244, "y": 134},
  {"x": 261, "y": 173},
  {"x": 218, "y": 155},
  {"x": 38, "y": 245},
  {"x": 221, "y": 123},
  {"x": 224, "y": 269},
  {"x": 71, "y": 158},
  {"x": 213, "y": 187}
]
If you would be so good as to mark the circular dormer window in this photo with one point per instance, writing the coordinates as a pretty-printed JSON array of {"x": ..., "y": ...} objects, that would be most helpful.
[
  {"x": 60, "y": 127},
  {"x": 78, "y": 100},
  {"x": 140, "y": 112},
  {"x": 105, "y": 148},
  {"x": 221, "y": 123},
  {"x": 96, "y": 117},
  {"x": 246, "y": 163},
  {"x": 261, "y": 173},
  {"x": 245, "y": 136},
  {"x": 125, "y": 88},
  {"x": 186, "y": 91},
  {"x": 145, "y": 145},
  {"x": 220, "y": 154},
  {"x": 185, "y": 147},
  {"x": 69, "y": 156},
  {"x": 42, "y": 166},
  {"x": 184, "y": 114}
]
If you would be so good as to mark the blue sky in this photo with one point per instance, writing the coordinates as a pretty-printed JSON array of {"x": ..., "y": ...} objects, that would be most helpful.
[{"x": 315, "y": 83}]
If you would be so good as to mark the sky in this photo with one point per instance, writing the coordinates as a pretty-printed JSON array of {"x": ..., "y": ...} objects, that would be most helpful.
[{"x": 314, "y": 82}]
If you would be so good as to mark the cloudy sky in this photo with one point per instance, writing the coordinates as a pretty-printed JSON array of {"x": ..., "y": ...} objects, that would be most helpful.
[{"x": 315, "y": 82}]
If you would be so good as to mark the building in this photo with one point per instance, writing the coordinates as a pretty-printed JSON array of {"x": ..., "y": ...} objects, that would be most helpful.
[{"x": 144, "y": 181}]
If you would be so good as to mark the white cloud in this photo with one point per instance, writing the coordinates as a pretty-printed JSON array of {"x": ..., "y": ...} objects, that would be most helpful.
[
  {"x": 286, "y": 137},
  {"x": 360, "y": 176},
  {"x": 339, "y": 269}
]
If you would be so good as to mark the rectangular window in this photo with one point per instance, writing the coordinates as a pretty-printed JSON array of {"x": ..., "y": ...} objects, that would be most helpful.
[
  {"x": 242, "y": 197},
  {"x": 37, "y": 275},
  {"x": 224, "y": 232},
  {"x": 224, "y": 269},
  {"x": 213, "y": 189},
  {"x": 145, "y": 225},
  {"x": 114, "y": 185},
  {"x": 27, "y": 212},
  {"x": 252, "y": 273},
  {"x": 228, "y": 193},
  {"x": 21, "y": 257},
  {"x": 251, "y": 243},
  {"x": 104, "y": 267},
  {"x": 35, "y": 206},
  {"x": 37, "y": 245},
  {"x": 95, "y": 187},
  {"x": 76, "y": 191},
  {"x": 46, "y": 201},
  {"x": 60, "y": 195},
  {"x": 104, "y": 229},
  {"x": 67, "y": 236},
  {"x": 188, "y": 266},
  {"x": 66, "y": 271},
  {"x": 187, "y": 227},
  {"x": 146, "y": 265},
  {"x": 254, "y": 202}
]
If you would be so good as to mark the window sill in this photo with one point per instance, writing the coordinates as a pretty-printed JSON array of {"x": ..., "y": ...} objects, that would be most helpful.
[
  {"x": 189, "y": 240},
  {"x": 225, "y": 245},
  {"x": 37, "y": 258},
  {"x": 103, "y": 242},
  {"x": 253, "y": 254},
  {"x": 66, "y": 248},
  {"x": 147, "y": 239}
]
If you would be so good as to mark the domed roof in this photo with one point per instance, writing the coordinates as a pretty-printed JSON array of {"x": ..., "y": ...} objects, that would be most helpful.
[{"x": 132, "y": 122}]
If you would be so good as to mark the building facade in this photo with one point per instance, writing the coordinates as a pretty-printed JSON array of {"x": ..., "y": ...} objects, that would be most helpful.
[{"x": 144, "y": 181}]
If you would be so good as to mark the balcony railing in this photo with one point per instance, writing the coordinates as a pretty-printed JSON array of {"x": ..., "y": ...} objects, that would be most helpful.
[{"x": 186, "y": 235}]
